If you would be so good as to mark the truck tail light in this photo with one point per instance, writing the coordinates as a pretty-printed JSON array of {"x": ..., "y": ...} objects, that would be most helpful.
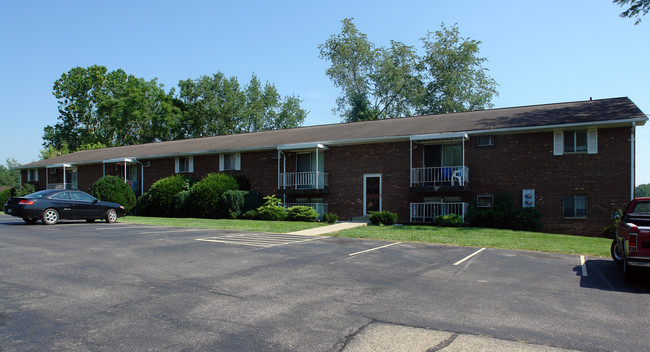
[
  {"x": 26, "y": 202},
  {"x": 632, "y": 242}
]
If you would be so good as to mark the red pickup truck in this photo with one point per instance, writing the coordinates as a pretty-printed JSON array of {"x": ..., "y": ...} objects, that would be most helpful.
[{"x": 631, "y": 247}]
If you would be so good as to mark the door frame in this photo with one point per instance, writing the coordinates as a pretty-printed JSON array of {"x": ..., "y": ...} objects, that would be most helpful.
[{"x": 365, "y": 178}]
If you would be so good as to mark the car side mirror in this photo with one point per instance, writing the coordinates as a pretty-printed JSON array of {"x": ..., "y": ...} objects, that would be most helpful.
[{"x": 96, "y": 200}]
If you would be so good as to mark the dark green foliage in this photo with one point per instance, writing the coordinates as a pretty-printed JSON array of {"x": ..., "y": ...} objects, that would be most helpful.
[
  {"x": 383, "y": 218},
  {"x": 250, "y": 215},
  {"x": 114, "y": 189},
  {"x": 160, "y": 197},
  {"x": 4, "y": 196},
  {"x": 9, "y": 176},
  {"x": 252, "y": 201},
  {"x": 243, "y": 182},
  {"x": 231, "y": 204},
  {"x": 642, "y": 190},
  {"x": 183, "y": 205},
  {"x": 450, "y": 220},
  {"x": 24, "y": 190},
  {"x": 302, "y": 213},
  {"x": 206, "y": 194},
  {"x": 503, "y": 215},
  {"x": 330, "y": 218},
  {"x": 142, "y": 205}
]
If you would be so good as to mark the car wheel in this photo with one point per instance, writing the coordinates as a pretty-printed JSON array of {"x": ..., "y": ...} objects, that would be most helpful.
[
  {"x": 90, "y": 220},
  {"x": 617, "y": 252},
  {"x": 111, "y": 216},
  {"x": 50, "y": 216},
  {"x": 30, "y": 221},
  {"x": 628, "y": 272}
]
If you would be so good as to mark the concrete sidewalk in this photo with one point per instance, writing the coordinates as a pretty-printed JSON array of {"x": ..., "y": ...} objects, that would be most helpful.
[{"x": 329, "y": 229}]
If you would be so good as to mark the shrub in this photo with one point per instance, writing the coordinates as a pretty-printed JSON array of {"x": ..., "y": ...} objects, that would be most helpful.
[
  {"x": 231, "y": 204},
  {"x": 160, "y": 198},
  {"x": 330, "y": 218},
  {"x": 142, "y": 205},
  {"x": 4, "y": 196},
  {"x": 252, "y": 201},
  {"x": 271, "y": 210},
  {"x": 383, "y": 218},
  {"x": 302, "y": 213},
  {"x": 527, "y": 219},
  {"x": 24, "y": 190},
  {"x": 243, "y": 182},
  {"x": 450, "y": 220},
  {"x": 610, "y": 231},
  {"x": 206, "y": 194},
  {"x": 182, "y": 204},
  {"x": 250, "y": 215},
  {"x": 114, "y": 189}
]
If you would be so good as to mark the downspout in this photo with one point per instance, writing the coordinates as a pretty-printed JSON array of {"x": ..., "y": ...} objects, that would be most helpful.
[
  {"x": 64, "y": 177},
  {"x": 279, "y": 169},
  {"x": 410, "y": 162},
  {"x": 633, "y": 152},
  {"x": 317, "y": 178},
  {"x": 462, "y": 178},
  {"x": 47, "y": 179},
  {"x": 125, "y": 171}
]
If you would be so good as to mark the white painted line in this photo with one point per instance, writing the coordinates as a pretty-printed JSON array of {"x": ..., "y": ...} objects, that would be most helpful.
[
  {"x": 374, "y": 249},
  {"x": 582, "y": 264},
  {"x": 469, "y": 256}
]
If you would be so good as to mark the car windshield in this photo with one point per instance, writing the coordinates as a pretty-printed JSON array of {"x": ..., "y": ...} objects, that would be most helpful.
[{"x": 641, "y": 207}]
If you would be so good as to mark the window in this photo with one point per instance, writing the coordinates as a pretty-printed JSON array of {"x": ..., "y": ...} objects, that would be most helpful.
[
  {"x": 642, "y": 207},
  {"x": 32, "y": 175},
  {"x": 485, "y": 200},
  {"x": 575, "y": 207},
  {"x": 62, "y": 195},
  {"x": 82, "y": 196},
  {"x": 575, "y": 141},
  {"x": 485, "y": 141},
  {"x": 229, "y": 162},
  {"x": 184, "y": 164},
  {"x": 132, "y": 172}
]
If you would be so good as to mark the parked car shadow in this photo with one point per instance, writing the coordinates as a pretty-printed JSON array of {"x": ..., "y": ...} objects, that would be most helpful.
[{"x": 604, "y": 274}]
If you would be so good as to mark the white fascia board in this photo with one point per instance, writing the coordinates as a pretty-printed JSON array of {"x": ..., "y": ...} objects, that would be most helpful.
[
  {"x": 561, "y": 126},
  {"x": 302, "y": 146},
  {"x": 433, "y": 136},
  {"x": 118, "y": 160}
]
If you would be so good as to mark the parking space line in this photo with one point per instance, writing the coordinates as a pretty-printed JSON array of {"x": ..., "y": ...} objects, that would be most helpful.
[
  {"x": 373, "y": 249},
  {"x": 259, "y": 240},
  {"x": 583, "y": 266},
  {"x": 468, "y": 257}
]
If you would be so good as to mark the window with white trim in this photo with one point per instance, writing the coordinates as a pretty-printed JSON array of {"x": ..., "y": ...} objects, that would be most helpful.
[
  {"x": 574, "y": 206},
  {"x": 32, "y": 175},
  {"x": 184, "y": 164},
  {"x": 229, "y": 162},
  {"x": 575, "y": 141}
]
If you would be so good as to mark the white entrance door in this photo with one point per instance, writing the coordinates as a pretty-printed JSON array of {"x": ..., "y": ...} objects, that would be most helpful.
[{"x": 371, "y": 193}]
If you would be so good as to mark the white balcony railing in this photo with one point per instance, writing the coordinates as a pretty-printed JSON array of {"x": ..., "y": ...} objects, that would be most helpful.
[
  {"x": 303, "y": 180},
  {"x": 427, "y": 212},
  {"x": 321, "y": 208},
  {"x": 440, "y": 176},
  {"x": 62, "y": 186}
]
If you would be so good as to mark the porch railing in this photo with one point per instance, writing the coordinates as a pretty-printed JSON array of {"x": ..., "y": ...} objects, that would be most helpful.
[
  {"x": 62, "y": 186},
  {"x": 427, "y": 212},
  {"x": 440, "y": 176},
  {"x": 303, "y": 180},
  {"x": 321, "y": 208}
]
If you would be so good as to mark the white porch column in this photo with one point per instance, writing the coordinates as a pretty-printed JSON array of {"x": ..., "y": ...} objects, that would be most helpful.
[{"x": 64, "y": 186}]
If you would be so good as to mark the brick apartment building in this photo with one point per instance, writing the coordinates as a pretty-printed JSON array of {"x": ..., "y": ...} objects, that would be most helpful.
[{"x": 572, "y": 161}]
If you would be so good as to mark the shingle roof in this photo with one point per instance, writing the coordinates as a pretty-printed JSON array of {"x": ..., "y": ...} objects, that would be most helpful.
[{"x": 603, "y": 112}]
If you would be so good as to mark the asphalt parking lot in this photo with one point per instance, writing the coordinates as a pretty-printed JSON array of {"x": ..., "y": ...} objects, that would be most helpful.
[{"x": 109, "y": 287}]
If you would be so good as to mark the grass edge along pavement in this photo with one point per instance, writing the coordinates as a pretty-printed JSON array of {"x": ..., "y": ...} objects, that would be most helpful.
[
  {"x": 484, "y": 237},
  {"x": 462, "y": 236}
]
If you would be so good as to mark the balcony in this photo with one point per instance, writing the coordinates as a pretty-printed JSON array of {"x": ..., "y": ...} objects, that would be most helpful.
[
  {"x": 427, "y": 212},
  {"x": 321, "y": 208},
  {"x": 440, "y": 179},
  {"x": 303, "y": 182}
]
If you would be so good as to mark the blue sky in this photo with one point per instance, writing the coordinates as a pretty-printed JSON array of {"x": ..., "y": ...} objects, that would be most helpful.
[{"x": 539, "y": 52}]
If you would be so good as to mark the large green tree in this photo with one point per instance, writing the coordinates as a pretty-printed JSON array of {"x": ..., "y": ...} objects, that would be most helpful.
[
  {"x": 9, "y": 176},
  {"x": 215, "y": 105},
  {"x": 635, "y": 8},
  {"x": 395, "y": 81},
  {"x": 642, "y": 190},
  {"x": 97, "y": 107}
]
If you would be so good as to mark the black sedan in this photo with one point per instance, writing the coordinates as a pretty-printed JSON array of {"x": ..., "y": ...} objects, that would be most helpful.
[{"x": 52, "y": 205}]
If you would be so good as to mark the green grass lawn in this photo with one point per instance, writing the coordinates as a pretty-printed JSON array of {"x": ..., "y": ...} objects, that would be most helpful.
[
  {"x": 225, "y": 224},
  {"x": 484, "y": 237}
]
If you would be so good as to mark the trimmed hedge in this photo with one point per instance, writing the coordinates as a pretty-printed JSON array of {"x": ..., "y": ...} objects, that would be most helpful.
[
  {"x": 114, "y": 189},
  {"x": 302, "y": 213},
  {"x": 383, "y": 218},
  {"x": 159, "y": 200},
  {"x": 183, "y": 205},
  {"x": 206, "y": 194},
  {"x": 4, "y": 196},
  {"x": 330, "y": 218}
]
